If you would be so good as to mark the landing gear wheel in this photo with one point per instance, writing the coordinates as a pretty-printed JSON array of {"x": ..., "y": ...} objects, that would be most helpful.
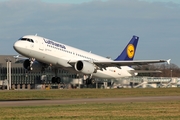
[
  {"x": 93, "y": 81},
  {"x": 90, "y": 81},
  {"x": 53, "y": 80},
  {"x": 87, "y": 82},
  {"x": 56, "y": 80}
]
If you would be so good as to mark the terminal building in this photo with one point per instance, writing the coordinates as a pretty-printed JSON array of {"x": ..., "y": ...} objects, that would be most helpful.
[{"x": 21, "y": 79}]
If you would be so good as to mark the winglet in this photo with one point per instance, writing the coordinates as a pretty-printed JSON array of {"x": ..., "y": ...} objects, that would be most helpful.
[{"x": 168, "y": 61}]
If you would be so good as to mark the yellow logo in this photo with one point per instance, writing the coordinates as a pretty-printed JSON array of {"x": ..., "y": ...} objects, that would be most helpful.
[{"x": 130, "y": 50}]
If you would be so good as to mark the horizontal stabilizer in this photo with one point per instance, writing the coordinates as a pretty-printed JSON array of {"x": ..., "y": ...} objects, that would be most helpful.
[{"x": 145, "y": 71}]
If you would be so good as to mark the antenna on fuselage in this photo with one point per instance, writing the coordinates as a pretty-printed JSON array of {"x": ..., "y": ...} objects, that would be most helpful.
[{"x": 36, "y": 34}]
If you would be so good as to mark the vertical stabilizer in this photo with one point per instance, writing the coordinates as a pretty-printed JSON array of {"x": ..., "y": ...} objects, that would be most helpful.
[{"x": 129, "y": 51}]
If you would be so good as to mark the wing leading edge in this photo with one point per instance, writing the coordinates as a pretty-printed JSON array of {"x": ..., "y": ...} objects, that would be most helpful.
[
  {"x": 128, "y": 63},
  {"x": 104, "y": 64}
]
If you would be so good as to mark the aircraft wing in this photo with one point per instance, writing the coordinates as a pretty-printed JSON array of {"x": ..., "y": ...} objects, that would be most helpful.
[
  {"x": 104, "y": 64},
  {"x": 127, "y": 63}
]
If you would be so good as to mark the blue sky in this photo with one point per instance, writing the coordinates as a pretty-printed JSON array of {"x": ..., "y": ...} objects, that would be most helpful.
[
  {"x": 69, "y": 1},
  {"x": 103, "y": 27},
  {"x": 82, "y": 1}
]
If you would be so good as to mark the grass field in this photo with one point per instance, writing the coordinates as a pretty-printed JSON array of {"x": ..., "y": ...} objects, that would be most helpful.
[
  {"x": 85, "y": 93},
  {"x": 163, "y": 110}
]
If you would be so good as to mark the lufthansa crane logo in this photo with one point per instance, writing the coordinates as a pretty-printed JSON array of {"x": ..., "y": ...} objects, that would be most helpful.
[{"x": 130, "y": 50}]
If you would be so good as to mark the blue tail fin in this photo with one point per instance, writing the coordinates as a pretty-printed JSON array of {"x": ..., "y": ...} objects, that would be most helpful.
[{"x": 129, "y": 51}]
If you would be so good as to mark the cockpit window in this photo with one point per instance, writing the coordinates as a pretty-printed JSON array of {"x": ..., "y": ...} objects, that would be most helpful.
[{"x": 26, "y": 39}]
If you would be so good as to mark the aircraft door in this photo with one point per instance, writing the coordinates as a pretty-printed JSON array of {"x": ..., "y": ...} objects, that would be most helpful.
[
  {"x": 41, "y": 45},
  {"x": 29, "y": 47}
]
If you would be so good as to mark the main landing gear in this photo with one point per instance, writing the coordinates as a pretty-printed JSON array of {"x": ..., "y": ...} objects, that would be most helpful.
[
  {"x": 89, "y": 80},
  {"x": 56, "y": 79}
]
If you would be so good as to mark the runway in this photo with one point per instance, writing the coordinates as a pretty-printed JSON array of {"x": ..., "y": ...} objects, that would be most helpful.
[{"x": 90, "y": 100}]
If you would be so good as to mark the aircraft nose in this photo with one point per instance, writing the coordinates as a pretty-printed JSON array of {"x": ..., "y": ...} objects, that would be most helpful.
[{"x": 17, "y": 46}]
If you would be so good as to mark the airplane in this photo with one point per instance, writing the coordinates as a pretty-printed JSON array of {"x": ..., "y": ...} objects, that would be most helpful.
[{"x": 43, "y": 52}]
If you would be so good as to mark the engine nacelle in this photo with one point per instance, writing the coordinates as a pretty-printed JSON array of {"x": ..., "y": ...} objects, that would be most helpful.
[
  {"x": 85, "y": 67},
  {"x": 35, "y": 67}
]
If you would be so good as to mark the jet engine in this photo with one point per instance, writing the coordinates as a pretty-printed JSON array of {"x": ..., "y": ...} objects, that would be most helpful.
[
  {"x": 85, "y": 67},
  {"x": 33, "y": 66}
]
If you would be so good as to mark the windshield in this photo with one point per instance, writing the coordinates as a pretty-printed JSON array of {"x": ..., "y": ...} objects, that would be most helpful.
[{"x": 26, "y": 39}]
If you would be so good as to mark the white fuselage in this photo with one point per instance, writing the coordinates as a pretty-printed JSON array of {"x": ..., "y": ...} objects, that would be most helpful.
[{"x": 58, "y": 55}]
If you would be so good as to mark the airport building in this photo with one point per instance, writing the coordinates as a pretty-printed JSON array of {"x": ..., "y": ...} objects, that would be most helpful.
[
  {"x": 21, "y": 79},
  {"x": 147, "y": 82}
]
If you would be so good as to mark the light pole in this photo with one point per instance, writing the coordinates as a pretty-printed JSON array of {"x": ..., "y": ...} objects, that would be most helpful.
[
  {"x": 8, "y": 61},
  {"x": 171, "y": 74}
]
